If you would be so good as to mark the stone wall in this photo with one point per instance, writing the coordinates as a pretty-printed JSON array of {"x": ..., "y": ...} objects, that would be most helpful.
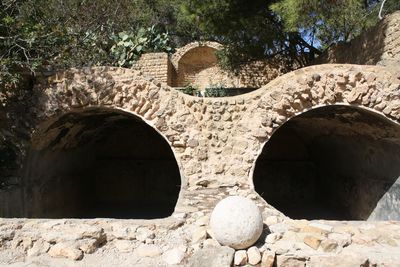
[
  {"x": 259, "y": 73},
  {"x": 379, "y": 45},
  {"x": 216, "y": 142},
  {"x": 196, "y": 64},
  {"x": 326, "y": 135},
  {"x": 205, "y": 131}
]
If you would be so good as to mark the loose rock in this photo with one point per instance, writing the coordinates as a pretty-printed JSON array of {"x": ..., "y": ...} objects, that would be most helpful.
[
  {"x": 65, "y": 250},
  {"x": 329, "y": 245},
  {"x": 268, "y": 259},
  {"x": 213, "y": 257},
  {"x": 240, "y": 257},
  {"x": 254, "y": 255},
  {"x": 290, "y": 261},
  {"x": 38, "y": 248},
  {"x": 271, "y": 220},
  {"x": 174, "y": 256},
  {"x": 312, "y": 241},
  {"x": 210, "y": 243},
  {"x": 88, "y": 246},
  {"x": 272, "y": 238},
  {"x": 124, "y": 246},
  {"x": 199, "y": 234}
]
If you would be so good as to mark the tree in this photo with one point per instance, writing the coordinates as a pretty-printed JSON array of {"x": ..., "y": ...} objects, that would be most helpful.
[
  {"x": 37, "y": 34},
  {"x": 324, "y": 22},
  {"x": 297, "y": 30},
  {"x": 248, "y": 30}
]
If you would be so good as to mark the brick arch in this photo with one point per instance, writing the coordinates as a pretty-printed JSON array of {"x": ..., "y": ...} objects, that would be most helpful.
[{"x": 177, "y": 56}]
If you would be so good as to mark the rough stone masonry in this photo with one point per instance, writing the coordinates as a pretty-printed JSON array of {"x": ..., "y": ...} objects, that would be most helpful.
[{"x": 216, "y": 143}]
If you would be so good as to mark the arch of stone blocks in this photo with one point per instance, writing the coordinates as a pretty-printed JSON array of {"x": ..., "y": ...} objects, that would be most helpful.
[
  {"x": 370, "y": 88},
  {"x": 110, "y": 88},
  {"x": 203, "y": 132},
  {"x": 216, "y": 142}
]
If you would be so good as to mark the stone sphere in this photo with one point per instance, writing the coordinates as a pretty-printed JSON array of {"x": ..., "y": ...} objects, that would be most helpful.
[{"x": 236, "y": 222}]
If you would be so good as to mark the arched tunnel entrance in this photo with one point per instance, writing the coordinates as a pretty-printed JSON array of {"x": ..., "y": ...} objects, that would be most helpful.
[
  {"x": 335, "y": 162},
  {"x": 100, "y": 163}
]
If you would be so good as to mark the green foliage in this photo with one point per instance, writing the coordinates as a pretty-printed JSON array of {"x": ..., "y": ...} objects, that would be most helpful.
[
  {"x": 212, "y": 91},
  {"x": 216, "y": 91},
  {"x": 248, "y": 29},
  {"x": 190, "y": 90},
  {"x": 327, "y": 22},
  {"x": 42, "y": 34},
  {"x": 128, "y": 46},
  {"x": 295, "y": 30},
  {"x": 389, "y": 7}
]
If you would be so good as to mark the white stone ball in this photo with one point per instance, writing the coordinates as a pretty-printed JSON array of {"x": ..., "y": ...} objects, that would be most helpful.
[{"x": 236, "y": 222}]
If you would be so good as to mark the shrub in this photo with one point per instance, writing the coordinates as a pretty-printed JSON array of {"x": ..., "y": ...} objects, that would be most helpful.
[
  {"x": 191, "y": 90},
  {"x": 129, "y": 46},
  {"x": 216, "y": 91}
]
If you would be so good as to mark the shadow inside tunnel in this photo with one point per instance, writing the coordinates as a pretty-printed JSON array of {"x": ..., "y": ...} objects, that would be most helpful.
[{"x": 334, "y": 162}]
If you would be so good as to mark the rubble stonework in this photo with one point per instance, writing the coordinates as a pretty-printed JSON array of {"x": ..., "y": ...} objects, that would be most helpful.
[
  {"x": 205, "y": 132},
  {"x": 216, "y": 142}
]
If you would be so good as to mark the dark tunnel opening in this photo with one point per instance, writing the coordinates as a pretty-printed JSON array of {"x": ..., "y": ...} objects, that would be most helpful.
[
  {"x": 335, "y": 162},
  {"x": 100, "y": 163}
]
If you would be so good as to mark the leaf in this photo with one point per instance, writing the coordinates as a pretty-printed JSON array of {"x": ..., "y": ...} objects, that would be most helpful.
[
  {"x": 127, "y": 44},
  {"x": 123, "y": 36},
  {"x": 142, "y": 39}
]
